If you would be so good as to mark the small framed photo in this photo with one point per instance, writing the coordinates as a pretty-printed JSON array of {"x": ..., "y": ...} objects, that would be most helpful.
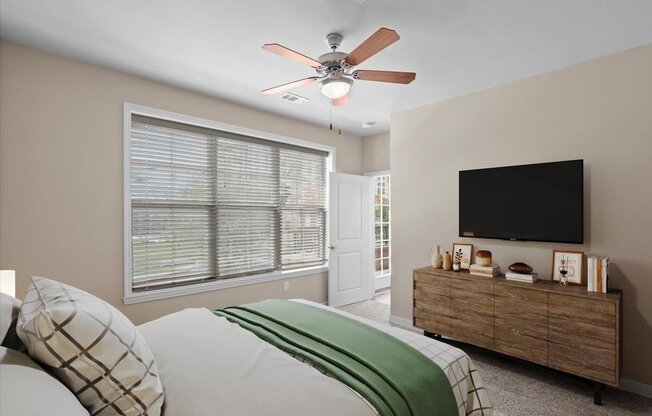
[
  {"x": 466, "y": 251},
  {"x": 568, "y": 264}
]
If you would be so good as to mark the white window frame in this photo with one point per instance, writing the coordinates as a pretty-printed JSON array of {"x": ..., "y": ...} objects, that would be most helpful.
[
  {"x": 384, "y": 281},
  {"x": 131, "y": 297}
]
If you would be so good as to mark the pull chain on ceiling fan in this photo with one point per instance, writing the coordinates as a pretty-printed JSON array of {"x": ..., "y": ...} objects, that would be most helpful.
[{"x": 335, "y": 74}]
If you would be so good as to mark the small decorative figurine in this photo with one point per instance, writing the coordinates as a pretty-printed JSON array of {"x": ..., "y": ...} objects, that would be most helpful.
[{"x": 521, "y": 268}]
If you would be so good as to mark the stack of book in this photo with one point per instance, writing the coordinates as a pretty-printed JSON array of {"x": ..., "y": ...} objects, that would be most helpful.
[
  {"x": 598, "y": 273},
  {"x": 486, "y": 271},
  {"x": 522, "y": 277}
]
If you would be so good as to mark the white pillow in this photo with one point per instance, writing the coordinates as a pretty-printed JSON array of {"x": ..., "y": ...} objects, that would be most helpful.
[
  {"x": 92, "y": 348},
  {"x": 9, "y": 309},
  {"x": 25, "y": 389}
]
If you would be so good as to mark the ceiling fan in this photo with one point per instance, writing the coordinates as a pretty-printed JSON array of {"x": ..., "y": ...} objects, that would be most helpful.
[{"x": 334, "y": 69}]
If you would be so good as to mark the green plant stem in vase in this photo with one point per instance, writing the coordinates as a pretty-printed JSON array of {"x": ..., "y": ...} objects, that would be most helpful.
[{"x": 457, "y": 260}]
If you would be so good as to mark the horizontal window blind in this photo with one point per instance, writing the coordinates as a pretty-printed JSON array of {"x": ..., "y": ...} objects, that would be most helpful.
[
  {"x": 208, "y": 205},
  {"x": 172, "y": 206},
  {"x": 302, "y": 208},
  {"x": 247, "y": 230}
]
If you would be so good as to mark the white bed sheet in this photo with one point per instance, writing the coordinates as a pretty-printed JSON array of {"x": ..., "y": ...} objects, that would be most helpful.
[{"x": 209, "y": 366}]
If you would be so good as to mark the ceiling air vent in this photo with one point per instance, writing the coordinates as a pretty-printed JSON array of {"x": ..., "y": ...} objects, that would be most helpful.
[{"x": 293, "y": 98}]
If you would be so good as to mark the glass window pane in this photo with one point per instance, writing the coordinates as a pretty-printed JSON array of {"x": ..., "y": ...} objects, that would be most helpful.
[{"x": 382, "y": 215}]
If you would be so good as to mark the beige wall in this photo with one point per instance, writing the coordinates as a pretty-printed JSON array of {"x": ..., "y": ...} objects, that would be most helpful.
[
  {"x": 600, "y": 111},
  {"x": 375, "y": 153},
  {"x": 61, "y": 178}
]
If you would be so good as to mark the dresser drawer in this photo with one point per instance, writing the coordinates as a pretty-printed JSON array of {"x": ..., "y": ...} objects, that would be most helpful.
[
  {"x": 518, "y": 340},
  {"x": 436, "y": 307},
  {"x": 436, "y": 324},
  {"x": 432, "y": 303},
  {"x": 584, "y": 362},
  {"x": 468, "y": 295},
  {"x": 472, "y": 319},
  {"x": 526, "y": 304},
  {"x": 583, "y": 337},
  {"x": 470, "y": 332},
  {"x": 430, "y": 285},
  {"x": 522, "y": 311},
  {"x": 521, "y": 317}
]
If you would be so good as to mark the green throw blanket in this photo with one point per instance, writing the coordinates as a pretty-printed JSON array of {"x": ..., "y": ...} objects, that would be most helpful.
[{"x": 394, "y": 377}]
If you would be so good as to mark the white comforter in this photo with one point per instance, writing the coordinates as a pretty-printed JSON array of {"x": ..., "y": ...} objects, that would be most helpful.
[{"x": 209, "y": 366}]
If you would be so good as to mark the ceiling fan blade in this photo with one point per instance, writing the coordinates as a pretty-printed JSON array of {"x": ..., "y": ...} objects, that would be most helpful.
[
  {"x": 340, "y": 101},
  {"x": 289, "y": 85},
  {"x": 289, "y": 53},
  {"x": 374, "y": 44},
  {"x": 385, "y": 76}
]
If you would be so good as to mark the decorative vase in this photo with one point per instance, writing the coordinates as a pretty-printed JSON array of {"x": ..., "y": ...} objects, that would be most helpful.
[
  {"x": 447, "y": 261},
  {"x": 436, "y": 260},
  {"x": 457, "y": 266}
]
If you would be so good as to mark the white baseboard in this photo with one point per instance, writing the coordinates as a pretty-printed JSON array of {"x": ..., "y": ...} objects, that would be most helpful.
[
  {"x": 381, "y": 283},
  {"x": 404, "y": 323},
  {"x": 632, "y": 386}
]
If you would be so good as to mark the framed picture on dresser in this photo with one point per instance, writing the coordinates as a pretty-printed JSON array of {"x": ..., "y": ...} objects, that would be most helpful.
[
  {"x": 568, "y": 265},
  {"x": 467, "y": 252}
]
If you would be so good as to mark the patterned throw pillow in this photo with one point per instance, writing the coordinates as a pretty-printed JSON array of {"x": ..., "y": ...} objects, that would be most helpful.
[{"x": 92, "y": 348}]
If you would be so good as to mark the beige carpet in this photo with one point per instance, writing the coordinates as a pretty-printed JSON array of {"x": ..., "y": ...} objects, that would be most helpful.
[{"x": 519, "y": 389}]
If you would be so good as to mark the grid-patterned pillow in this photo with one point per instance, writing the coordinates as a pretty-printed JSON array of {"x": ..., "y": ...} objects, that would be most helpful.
[{"x": 92, "y": 348}]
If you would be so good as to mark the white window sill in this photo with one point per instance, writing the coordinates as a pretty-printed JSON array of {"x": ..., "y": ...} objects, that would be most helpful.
[{"x": 221, "y": 284}]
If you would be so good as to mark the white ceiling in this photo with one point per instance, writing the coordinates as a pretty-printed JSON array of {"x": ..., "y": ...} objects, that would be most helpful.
[{"x": 213, "y": 46}]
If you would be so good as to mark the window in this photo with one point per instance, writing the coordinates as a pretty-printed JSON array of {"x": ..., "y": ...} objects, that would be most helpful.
[
  {"x": 209, "y": 205},
  {"x": 382, "y": 221}
]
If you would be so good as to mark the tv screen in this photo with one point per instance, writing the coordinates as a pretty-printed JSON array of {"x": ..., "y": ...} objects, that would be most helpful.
[{"x": 539, "y": 202}]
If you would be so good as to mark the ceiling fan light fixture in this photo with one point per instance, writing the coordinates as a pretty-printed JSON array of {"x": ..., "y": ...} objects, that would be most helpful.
[{"x": 335, "y": 88}]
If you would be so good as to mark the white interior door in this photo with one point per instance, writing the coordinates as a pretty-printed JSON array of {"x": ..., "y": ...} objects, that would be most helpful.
[{"x": 350, "y": 277}]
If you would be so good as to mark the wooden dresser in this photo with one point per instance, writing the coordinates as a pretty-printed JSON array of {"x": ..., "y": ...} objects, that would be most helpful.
[{"x": 565, "y": 328}]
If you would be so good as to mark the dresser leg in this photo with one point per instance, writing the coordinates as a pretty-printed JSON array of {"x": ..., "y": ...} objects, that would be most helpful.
[{"x": 597, "y": 393}]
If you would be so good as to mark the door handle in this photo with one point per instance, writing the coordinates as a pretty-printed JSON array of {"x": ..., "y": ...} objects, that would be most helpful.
[{"x": 333, "y": 247}]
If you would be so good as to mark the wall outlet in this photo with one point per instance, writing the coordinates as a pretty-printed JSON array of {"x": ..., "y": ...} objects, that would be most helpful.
[{"x": 286, "y": 286}]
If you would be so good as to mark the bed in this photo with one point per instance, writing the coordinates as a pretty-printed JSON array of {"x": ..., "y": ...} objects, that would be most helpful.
[{"x": 207, "y": 364}]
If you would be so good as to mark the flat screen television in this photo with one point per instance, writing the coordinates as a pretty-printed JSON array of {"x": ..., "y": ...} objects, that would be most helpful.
[{"x": 539, "y": 202}]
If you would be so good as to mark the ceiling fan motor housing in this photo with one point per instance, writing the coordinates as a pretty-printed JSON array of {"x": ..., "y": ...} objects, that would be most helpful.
[
  {"x": 334, "y": 40},
  {"x": 332, "y": 63}
]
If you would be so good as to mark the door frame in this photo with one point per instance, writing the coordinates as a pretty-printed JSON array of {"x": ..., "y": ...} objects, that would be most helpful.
[{"x": 370, "y": 235}]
